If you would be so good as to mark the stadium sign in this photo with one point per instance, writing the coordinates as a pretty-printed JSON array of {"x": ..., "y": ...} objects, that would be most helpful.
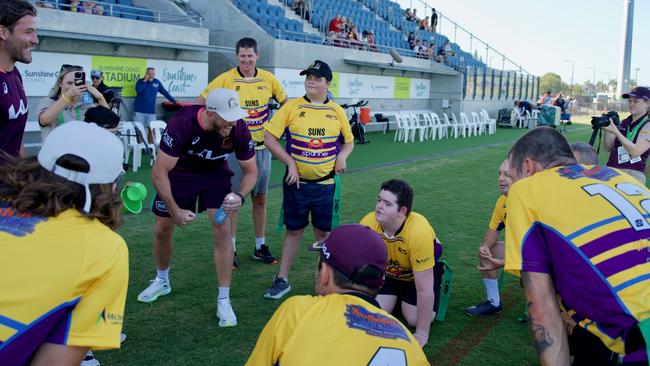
[
  {"x": 346, "y": 85},
  {"x": 180, "y": 78}
]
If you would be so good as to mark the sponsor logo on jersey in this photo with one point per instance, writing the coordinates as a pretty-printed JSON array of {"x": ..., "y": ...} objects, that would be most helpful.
[
  {"x": 22, "y": 109},
  {"x": 374, "y": 324},
  {"x": 315, "y": 143},
  {"x": 196, "y": 139},
  {"x": 167, "y": 140},
  {"x": 15, "y": 223},
  {"x": 5, "y": 88},
  {"x": 301, "y": 115},
  {"x": 424, "y": 260},
  {"x": 331, "y": 116},
  {"x": 601, "y": 173},
  {"x": 160, "y": 206}
]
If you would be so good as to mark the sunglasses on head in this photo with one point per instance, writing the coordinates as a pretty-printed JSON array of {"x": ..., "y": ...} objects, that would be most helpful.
[{"x": 67, "y": 67}]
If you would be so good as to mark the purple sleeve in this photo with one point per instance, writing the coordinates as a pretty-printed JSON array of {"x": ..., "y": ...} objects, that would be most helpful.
[
  {"x": 174, "y": 137},
  {"x": 534, "y": 251},
  {"x": 244, "y": 145}
]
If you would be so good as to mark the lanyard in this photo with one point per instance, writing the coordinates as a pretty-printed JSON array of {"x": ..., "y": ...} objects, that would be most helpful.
[
  {"x": 77, "y": 113},
  {"x": 632, "y": 133}
]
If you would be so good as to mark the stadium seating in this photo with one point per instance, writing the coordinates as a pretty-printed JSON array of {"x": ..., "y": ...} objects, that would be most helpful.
[{"x": 117, "y": 8}]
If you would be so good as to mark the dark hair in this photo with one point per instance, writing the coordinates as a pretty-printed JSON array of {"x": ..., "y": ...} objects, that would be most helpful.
[
  {"x": 402, "y": 190},
  {"x": 151, "y": 68},
  {"x": 545, "y": 145},
  {"x": 354, "y": 281},
  {"x": 32, "y": 189},
  {"x": 246, "y": 42},
  {"x": 587, "y": 153},
  {"x": 11, "y": 11},
  {"x": 102, "y": 116}
]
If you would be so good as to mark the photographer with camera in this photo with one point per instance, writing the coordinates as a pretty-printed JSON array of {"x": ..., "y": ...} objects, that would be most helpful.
[
  {"x": 69, "y": 100},
  {"x": 628, "y": 143}
]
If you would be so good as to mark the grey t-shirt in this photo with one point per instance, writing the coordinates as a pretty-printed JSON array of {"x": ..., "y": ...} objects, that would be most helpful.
[{"x": 68, "y": 114}]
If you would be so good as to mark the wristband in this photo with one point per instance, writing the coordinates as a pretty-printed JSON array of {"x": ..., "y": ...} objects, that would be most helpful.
[
  {"x": 241, "y": 196},
  {"x": 66, "y": 99}
]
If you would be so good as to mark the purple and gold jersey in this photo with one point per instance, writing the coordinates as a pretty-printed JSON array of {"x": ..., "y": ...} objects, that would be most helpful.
[
  {"x": 13, "y": 112},
  {"x": 586, "y": 226},
  {"x": 336, "y": 329},
  {"x": 200, "y": 151},
  {"x": 314, "y": 133},
  {"x": 254, "y": 95},
  {"x": 498, "y": 219},
  {"x": 64, "y": 281},
  {"x": 410, "y": 249}
]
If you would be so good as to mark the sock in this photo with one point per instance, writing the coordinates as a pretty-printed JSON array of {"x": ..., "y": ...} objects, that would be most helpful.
[
  {"x": 259, "y": 242},
  {"x": 164, "y": 274},
  {"x": 492, "y": 290},
  {"x": 234, "y": 243},
  {"x": 224, "y": 293}
]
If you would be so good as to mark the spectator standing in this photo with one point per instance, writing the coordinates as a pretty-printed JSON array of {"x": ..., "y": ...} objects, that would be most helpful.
[
  {"x": 434, "y": 20},
  {"x": 415, "y": 16},
  {"x": 424, "y": 24},
  {"x": 144, "y": 106},
  {"x": 17, "y": 39},
  {"x": 67, "y": 101},
  {"x": 408, "y": 14},
  {"x": 411, "y": 40},
  {"x": 97, "y": 78}
]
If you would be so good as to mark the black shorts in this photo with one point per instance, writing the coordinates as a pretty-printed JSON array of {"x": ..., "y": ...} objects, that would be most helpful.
[
  {"x": 589, "y": 350},
  {"x": 208, "y": 190},
  {"x": 405, "y": 290}
]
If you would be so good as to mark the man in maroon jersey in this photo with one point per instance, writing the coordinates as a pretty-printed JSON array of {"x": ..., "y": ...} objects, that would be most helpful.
[{"x": 17, "y": 39}]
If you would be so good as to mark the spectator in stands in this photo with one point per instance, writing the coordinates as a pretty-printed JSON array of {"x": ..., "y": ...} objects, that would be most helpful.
[
  {"x": 364, "y": 39},
  {"x": 421, "y": 49},
  {"x": 411, "y": 40},
  {"x": 415, "y": 16},
  {"x": 408, "y": 14},
  {"x": 424, "y": 24},
  {"x": 97, "y": 77},
  {"x": 434, "y": 20},
  {"x": 523, "y": 106},
  {"x": 344, "y": 26},
  {"x": 301, "y": 8},
  {"x": 18, "y": 29},
  {"x": 43, "y": 4},
  {"x": 74, "y": 6},
  {"x": 144, "y": 106},
  {"x": 336, "y": 25},
  {"x": 88, "y": 7},
  {"x": 67, "y": 101},
  {"x": 546, "y": 99},
  {"x": 431, "y": 50},
  {"x": 444, "y": 51},
  {"x": 371, "y": 40},
  {"x": 354, "y": 38},
  {"x": 99, "y": 10},
  {"x": 348, "y": 25}
]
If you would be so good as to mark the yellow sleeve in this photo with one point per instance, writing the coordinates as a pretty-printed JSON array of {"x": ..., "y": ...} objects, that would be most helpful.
[
  {"x": 278, "y": 91},
  {"x": 421, "y": 248},
  {"x": 96, "y": 321},
  {"x": 518, "y": 224},
  {"x": 280, "y": 121},
  {"x": 346, "y": 131},
  {"x": 218, "y": 82},
  {"x": 368, "y": 220},
  {"x": 277, "y": 331},
  {"x": 497, "y": 220}
]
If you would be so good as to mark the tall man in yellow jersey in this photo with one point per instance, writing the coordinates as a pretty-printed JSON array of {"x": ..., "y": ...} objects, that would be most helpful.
[
  {"x": 344, "y": 325},
  {"x": 578, "y": 233},
  {"x": 255, "y": 88},
  {"x": 492, "y": 250},
  {"x": 412, "y": 253},
  {"x": 319, "y": 141}
]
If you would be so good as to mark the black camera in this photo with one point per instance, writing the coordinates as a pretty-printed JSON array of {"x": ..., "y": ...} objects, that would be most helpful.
[{"x": 603, "y": 121}]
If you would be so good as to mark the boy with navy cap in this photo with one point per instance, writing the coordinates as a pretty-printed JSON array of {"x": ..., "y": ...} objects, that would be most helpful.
[{"x": 343, "y": 325}]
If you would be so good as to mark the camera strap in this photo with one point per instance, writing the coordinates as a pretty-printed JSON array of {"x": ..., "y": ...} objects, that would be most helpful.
[{"x": 632, "y": 134}]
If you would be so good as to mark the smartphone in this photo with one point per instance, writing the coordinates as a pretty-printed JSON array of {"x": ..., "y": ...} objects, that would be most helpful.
[{"x": 79, "y": 78}]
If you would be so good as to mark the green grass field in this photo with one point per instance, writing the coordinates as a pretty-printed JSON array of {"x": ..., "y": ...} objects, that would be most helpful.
[{"x": 455, "y": 183}]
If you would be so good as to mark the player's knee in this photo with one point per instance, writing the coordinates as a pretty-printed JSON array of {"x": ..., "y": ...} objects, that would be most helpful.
[
  {"x": 259, "y": 200},
  {"x": 163, "y": 231}
]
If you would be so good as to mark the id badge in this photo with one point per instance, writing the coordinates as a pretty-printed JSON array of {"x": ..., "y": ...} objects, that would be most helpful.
[
  {"x": 623, "y": 156},
  {"x": 635, "y": 160}
]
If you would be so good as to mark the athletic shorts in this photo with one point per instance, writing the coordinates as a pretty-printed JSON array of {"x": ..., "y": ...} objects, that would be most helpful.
[
  {"x": 263, "y": 160},
  {"x": 144, "y": 118},
  {"x": 406, "y": 292},
  {"x": 587, "y": 349},
  {"x": 314, "y": 198},
  {"x": 208, "y": 190}
]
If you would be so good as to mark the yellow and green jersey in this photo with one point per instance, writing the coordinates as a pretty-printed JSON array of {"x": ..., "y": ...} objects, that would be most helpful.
[{"x": 498, "y": 220}]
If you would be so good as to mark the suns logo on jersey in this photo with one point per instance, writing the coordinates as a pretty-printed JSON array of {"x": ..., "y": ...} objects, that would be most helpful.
[
  {"x": 374, "y": 324},
  {"x": 253, "y": 113},
  {"x": 315, "y": 144},
  {"x": 597, "y": 172},
  {"x": 15, "y": 223}
]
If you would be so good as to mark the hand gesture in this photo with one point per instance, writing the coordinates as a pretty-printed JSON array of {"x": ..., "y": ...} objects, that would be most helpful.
[
  {"x": 183, "y": 217},
  {"x": 232, "y": 202}
]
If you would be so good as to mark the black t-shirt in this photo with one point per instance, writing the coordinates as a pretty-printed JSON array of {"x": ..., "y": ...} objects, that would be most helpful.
[{"x": 107, "y": 92}]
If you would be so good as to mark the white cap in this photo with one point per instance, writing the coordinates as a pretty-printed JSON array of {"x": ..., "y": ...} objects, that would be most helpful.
[
  {"x": 102, "y": 150},
  {"x": 225, "y": 103}
]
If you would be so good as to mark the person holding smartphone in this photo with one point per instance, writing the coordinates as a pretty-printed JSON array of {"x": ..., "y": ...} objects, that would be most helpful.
[{"x": 69, "y": 100}]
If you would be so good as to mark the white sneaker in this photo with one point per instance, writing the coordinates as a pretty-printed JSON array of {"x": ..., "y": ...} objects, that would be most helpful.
[
  {"x": 157, "y": 287},
  {"x": 122, "y": 337},
  {"x": 225, "y": 314},
  {"x": 89, "y": 360}
]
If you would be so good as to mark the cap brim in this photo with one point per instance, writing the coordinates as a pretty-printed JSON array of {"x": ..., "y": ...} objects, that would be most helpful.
[
  {"x": 233, "y": 116},
  {"x": 315, "y": 73},
  {"x": 627, "y": 95}
]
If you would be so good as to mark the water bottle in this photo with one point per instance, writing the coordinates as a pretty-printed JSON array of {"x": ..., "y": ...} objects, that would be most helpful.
[
  {"x": 87, "y": 98},
  {"x": 220, "y": 216}
]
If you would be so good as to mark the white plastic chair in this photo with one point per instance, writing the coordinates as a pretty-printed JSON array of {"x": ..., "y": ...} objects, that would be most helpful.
[
  {"x": 463, "y": 127},
  {"x": 482, "y": 126},
  {"x": 420, "y": 126},
  {"x": 157, "y": 129},
  {"x": 521, "y": 119},
  {"x": 432, "y": 126},
  {"x": 472, "y": 127},
  {"x": 131, "y": 143},
  {"x": 490, "y": 122},
  {"x": 442, "y": 128},
  {"x": 404, "y": 128},
  {"x": 453, "y": 126}
]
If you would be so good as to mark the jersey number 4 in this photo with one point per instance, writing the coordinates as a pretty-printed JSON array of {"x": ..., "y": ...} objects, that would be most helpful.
[
  {"x": 388, "y": 356},
  {"x": 616, "y": 197}
]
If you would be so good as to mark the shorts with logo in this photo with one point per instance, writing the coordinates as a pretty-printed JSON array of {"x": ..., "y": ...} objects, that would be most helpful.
[
  {"x": 263, "y": 160},
  {"x": 188, "y": 189},
  {"x": 314, "y": 198},
  {"x": 405, "y": 290},
  {"x": 144, "y": 118}
]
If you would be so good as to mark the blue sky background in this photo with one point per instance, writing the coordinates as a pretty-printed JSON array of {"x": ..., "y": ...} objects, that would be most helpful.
[{"x": 540, "y": 38}]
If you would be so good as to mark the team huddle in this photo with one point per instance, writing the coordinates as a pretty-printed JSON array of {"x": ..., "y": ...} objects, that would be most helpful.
[{"x": 576, "y": 234}]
